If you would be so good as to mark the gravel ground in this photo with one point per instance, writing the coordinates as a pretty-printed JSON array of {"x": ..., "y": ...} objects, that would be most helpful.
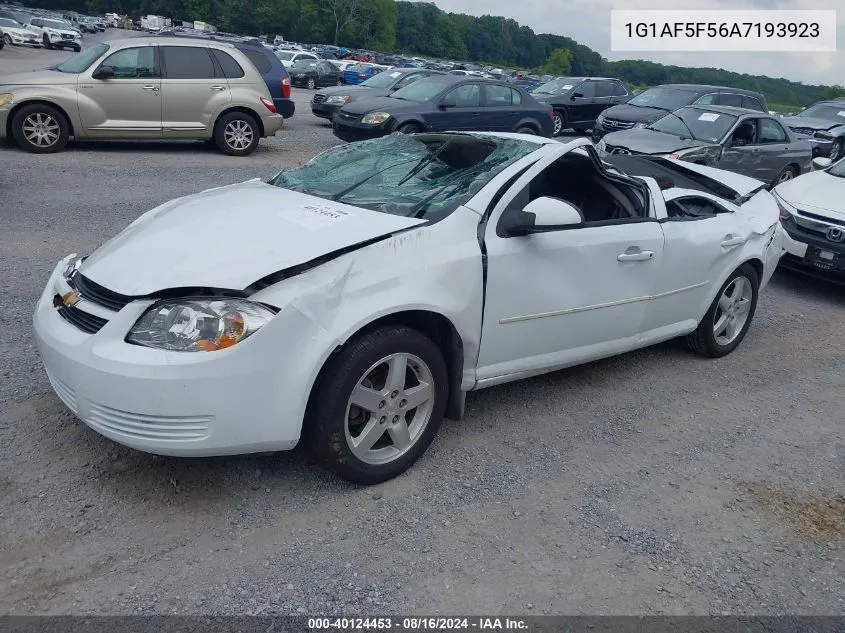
[{"x": 652, "y": 483}]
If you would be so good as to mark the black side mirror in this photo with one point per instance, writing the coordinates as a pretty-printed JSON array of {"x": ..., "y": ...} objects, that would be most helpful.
[
  {"x": 448, "y": 103},
  {"x": 577, "y": 95},
  {"x": 103, "y": 72}
]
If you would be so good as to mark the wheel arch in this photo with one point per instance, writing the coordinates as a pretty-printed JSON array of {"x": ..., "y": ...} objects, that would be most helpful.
[
  {"x": 432, "y": 324},
  {"x": 242, "y": 110},
  {"x": 755, "y": 262},
  {"x": 37, "y": 101}
]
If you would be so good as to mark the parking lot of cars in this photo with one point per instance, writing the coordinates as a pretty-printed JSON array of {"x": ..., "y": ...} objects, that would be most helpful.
[{"x": 653, "y": 482}]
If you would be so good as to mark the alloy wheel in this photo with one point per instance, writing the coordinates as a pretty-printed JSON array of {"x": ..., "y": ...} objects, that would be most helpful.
[
  {"x": 238, "y": 134},
  {"x": 389, "y": 409},
  {"x": 558, "y": 123},
  {"x": 41, "y": 130},
  {"x": 786, "y": 175},
  {"x": 835, "y": 150},
  {"x": 732, "y": 311}
]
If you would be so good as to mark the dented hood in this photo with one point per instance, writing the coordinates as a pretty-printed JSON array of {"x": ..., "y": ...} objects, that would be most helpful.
[{"x": 229, "y": 238}]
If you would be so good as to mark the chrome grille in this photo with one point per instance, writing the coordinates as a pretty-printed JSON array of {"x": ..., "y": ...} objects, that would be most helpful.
[
  {"x": 97, "y": 294},
  {"x": 803, "y": 130},
  {"x": 616, "y": 124},
  {"x": 318, "y": 98}
]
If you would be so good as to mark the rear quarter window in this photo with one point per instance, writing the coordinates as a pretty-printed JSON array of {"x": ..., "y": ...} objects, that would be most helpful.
[
  {"x": 259, "y": 60},
  {"x": 231, "y": 68}
]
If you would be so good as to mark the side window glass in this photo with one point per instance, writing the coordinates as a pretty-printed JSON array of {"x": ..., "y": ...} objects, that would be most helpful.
[
  {"x": 498, "y": 96},
  {"x": 619, "y": 89},
  {"x": 231, "y": 68},
  {"x": 710, "y": 99},
  {"x": 744, "y": 134},
  {"x": 771, "y": 132},
  {"x": 466, "y": 96},
  {"x": 604, "y": 88},
  {"x": 752, "y": 104},
  {"x": 587, "y": 89},
  {"x": 693, "y": 209},
  {"x": 188, "y": 62},
  {"x": 516, "y": 97},
  {"x": 728, "y": 99},
  {"x": 132, "y": 63}
]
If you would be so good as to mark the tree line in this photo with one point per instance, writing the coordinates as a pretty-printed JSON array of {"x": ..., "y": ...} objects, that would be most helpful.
[{"x": 422, "y": 28}]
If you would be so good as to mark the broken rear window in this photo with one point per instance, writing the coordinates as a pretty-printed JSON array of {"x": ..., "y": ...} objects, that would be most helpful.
[{"x": 424, "y": 175}]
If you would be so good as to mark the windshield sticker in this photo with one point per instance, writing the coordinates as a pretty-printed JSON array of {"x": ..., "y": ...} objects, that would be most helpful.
[
  {"x": 394, "y": 75},
  {"x": 316, "y": 215},
  {"x": 566, "y": 87},
  {"x": 841, "y": 113},
  {"x": 708, "y": 116}
]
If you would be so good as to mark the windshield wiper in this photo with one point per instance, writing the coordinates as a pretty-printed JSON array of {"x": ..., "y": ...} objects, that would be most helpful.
[
  {"x": 418, "y": 210},
  {"x": 336, "y": 197},
  {"x": 427, "y": 160}
]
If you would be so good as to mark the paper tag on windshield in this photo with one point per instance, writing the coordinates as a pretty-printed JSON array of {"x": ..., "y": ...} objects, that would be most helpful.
[
  {"x": 566, "y": 87},
  {"x": 841, "y": 113},
  {"x": 315, "y": 215},
  {"x": 395, "y": 75},
  {"x": 708, "y": 116}
]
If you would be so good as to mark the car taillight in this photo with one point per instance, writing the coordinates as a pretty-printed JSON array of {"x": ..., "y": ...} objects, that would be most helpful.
[
  {"x": 269, "y": 105},
  {"x": 362, "y": 75},
  {"x": 552, "y": 113},
  {"x": 285, "y": 87}
]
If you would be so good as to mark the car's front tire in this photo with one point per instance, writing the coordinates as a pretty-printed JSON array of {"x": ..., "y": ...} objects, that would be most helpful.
[
  {"x": 40, "y": 129},
  {"x": 837, "y": 150},
  {"x": 312, "y": 84},
  {"x": 409, "y": 128},
  {"x": 377, "y": 405},
  {"x": 7, "y": 39},
  {"x": 729, "y": 317},
  {"x": 788, "y": 173},
  {"x": 237, "y": 134},
  {"x": 46, "y": 41}
]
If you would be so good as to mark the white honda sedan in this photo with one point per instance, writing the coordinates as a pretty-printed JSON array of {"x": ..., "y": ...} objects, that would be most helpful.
[{"x": 355, "y": 300}]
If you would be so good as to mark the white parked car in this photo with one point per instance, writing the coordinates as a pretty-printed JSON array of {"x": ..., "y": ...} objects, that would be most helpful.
[
  {"x": 288, "y": 58},
  {"x": 353, "y": 301},
  {"x": 15, "y": 33},
  {"x": 813, "y": 217},
  {"x": 55, "y": 34}
]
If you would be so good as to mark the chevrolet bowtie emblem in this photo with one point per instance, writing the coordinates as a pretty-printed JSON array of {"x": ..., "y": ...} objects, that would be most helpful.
[{"x": 71, "y": 298}]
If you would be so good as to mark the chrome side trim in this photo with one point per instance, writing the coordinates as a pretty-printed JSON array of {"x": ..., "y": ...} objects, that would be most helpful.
[{"x": 543, "y": 315}]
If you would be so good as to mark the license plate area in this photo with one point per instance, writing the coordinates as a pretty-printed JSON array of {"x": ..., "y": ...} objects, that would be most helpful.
[{"x": 825, "y": 259}]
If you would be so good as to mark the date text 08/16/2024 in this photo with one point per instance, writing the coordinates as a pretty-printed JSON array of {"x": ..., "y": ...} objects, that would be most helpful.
[{"x": 416, "y": 624}]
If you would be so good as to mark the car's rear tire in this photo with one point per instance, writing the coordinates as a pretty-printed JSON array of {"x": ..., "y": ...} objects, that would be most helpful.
[
  {"x": 40, "y": 129},
  {"x": 837, "y": 150},
  {"x": 526, "y": 130},
  {"x": 312, "y": 84},
  {"x": 377, "y": 405},
  {"x": 788, "y": 173},
  {"x": 729, "y": 317},
  {"x": 237, "y": 134},
  {"x": 409, "y": 128},
  {"x": 558, "y": 123},
  {"x": 77, "y": 48},
  {"x": 46, "y": 41},
  {"x": 340, "y": 81},
  {"x": 7, "y": 39}
]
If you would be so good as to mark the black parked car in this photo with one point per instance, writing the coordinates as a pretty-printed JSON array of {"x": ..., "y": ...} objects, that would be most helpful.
[
  {"x": 445, "y": 103},
  {"x": 654, "y": 103},
  {"x": 577, "y": 101},
  {"x": 328, "y": 101},
  {"x": 823, "y": 124},
  {"x": 315, "y": 73}
]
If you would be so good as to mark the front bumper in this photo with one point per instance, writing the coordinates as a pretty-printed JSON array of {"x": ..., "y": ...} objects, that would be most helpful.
[
  {"x": 355, "y": 131},
  {"x": 804, "y": 254},
  {"x": 239, "y": 400},
  {"x": 4, "y": 117},
  {"x": 299, "y": 82},
  {"x": 325, "y": 111}
]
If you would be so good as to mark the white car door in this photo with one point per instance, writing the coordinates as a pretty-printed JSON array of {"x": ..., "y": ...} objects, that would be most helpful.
[
  {"x": 704, "y": 237},
  {"x": 564, "y": 296}
]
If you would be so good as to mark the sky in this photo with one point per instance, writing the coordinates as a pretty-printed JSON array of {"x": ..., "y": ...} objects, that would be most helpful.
[{"x": 588, "y": 22}]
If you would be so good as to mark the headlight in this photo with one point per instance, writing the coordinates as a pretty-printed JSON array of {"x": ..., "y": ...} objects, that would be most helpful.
[
  {"x": 6, "y": 99},
  {"x": 338, "y": 99},
  {"x": 600, "y": 118},
  {"x": 375, "y": 118},
  {"x": 198, "y": 325},
  {"x": 787, "y": 211},
  {"x": 600, "y": 145},
  {"x": 640, "y": 125}
]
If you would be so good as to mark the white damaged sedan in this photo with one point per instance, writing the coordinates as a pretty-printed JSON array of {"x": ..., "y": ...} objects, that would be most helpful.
[{"x": 352, "y": 302}]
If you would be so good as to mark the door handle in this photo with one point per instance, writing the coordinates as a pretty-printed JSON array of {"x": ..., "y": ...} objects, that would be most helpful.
[
  {"x": 730, "y": 242},
  {"x": 218, "y": 88},
  {"x": 476, "y": 114},
  {"x": 153, "y": 88},
  {"x": 641, "y": 256}
]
